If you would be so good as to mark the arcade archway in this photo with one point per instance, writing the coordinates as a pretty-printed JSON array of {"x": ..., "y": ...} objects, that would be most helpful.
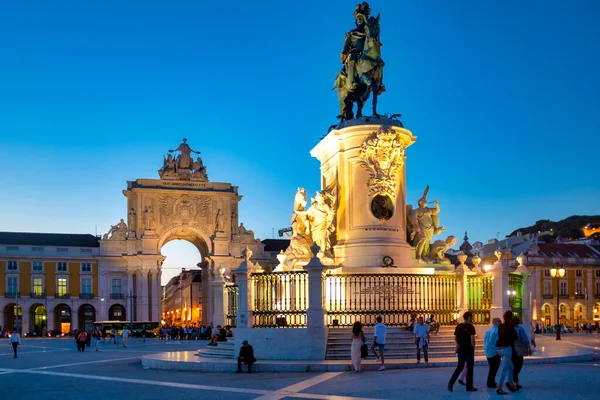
[
  {"x": 86, "y": 316},
  {"x": 62, "y": 318},
  {"x": 117, "y": 312},
  {"x": 39, "y": 318},
  {"x": 11, "y": 311}
]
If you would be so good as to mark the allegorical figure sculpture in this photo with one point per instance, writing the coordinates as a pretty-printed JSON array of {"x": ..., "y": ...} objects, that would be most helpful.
[
  {"x": 362, "y": 71},
  {"x": 118, "y": 231},
  {"x": 184, "y": 160},
  {"x": 320, "y": 227},
  {"x": 422, "y": 224},
  {"x": 199, "y": 170},
  {"x": 169, "y": 167},
  {"x": 439, "y": 248},
  {"x": 219, "y": 221},
  {"x": 148, "y": 218},
  {"x": 132, "y": 220}
]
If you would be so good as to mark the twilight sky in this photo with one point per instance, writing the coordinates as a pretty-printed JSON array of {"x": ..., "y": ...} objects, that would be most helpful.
[{"x": 503, "y": 96}]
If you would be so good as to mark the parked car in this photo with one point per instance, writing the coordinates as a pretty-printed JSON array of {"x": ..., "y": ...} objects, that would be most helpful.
[
  {"x": 54, "y": 333},
  {"x": 568, "y": 329},
  {"x": 37, "y": 333}
]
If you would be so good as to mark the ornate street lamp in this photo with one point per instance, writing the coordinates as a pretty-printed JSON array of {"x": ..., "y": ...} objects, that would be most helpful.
[{"x": 557, "y": 274}]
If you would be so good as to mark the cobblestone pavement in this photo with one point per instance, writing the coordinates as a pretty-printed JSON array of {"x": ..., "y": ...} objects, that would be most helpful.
[{"x": 53, "y": 369}]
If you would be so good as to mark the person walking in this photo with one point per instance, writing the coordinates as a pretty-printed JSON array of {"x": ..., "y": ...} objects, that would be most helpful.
[
  {"x": 464, "y": 335},
  {"x": 358, "y": 339},
  {"x": 506, "y": 337},
  {"x": 96, "y": 336},
  {"x": 117, "y": 338},
  {"x": 15, "y": 341},
  {"x": 422, "y": 336},
  {"x": 379, "y": 342},
  {"x": 521, "y": 348},
  {"x": 491, "y": 352},
  {"x": 81, "y": 340},
  {"x": 125, "y": 336}
]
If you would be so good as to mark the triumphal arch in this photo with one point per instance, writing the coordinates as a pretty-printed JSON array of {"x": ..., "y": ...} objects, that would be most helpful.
[{"x": 181, "y": 204}]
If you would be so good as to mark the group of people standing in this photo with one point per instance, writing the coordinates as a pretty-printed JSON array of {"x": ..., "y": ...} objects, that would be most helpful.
[{"x": 505, "y": 344}]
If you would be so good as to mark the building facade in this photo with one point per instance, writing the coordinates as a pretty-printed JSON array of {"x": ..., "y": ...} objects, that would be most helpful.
[
  {"x": 51, "y": 282},
  {"x": 183, "y": 299}
]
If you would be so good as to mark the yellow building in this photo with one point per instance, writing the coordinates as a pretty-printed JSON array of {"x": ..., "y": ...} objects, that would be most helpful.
[
  {"x": 577, "y": 295},
  {"x": 49, "y": 282}
]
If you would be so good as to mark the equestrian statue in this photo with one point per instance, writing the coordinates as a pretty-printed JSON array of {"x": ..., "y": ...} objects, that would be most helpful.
[{"x": 362, "y": 70}]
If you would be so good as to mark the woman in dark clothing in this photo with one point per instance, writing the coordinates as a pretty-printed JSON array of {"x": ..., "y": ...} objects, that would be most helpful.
[
  {"x": 506, "y": 338},
  {"x": 523, "y": 343}
]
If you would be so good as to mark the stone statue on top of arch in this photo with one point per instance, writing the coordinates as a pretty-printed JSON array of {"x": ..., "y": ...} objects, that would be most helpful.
[{"x": 184, "y": 159}]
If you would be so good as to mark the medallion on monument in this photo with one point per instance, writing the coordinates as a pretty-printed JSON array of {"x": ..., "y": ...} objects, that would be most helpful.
[{"x": 382, "y": 155}]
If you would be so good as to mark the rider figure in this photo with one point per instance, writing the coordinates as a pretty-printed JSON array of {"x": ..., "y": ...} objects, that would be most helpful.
[{"x": 354, "y": 43}]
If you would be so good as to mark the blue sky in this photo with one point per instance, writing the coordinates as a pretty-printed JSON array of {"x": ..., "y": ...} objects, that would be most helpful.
[{"x": 503, "y": 97}]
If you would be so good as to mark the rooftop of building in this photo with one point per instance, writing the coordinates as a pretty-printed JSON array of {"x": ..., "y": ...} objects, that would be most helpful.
[{"x": 48, "y": 239}]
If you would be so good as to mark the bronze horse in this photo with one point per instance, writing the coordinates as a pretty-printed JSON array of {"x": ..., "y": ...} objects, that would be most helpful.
[{"x": 369, "y": 76}]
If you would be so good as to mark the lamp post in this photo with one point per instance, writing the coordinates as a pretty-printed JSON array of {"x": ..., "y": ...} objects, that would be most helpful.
[{"x": 557, "y": 274}]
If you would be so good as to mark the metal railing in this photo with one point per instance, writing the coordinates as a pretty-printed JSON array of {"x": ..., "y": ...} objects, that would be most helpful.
[
  {"x": 364, "y": 297},
  {"x": 281, "y": 299},
  {"x": 12, "y": 295},
  {"x": 86, "y": 296},
  {"x": 547, "y": 296},
  {"x": 117, "y": 296},
  {"x": 479, "y": 299},
  {"x": 232, "y": 292},
  {"x": 62, "y": 296},
  {"x": 34, "y": 295}
]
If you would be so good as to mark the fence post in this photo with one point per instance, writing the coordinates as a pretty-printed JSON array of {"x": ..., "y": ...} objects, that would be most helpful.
[
  {"x": 526, "y": 290},
  {"x": 500, "y": 300},
  {"x": 462, "y": 300},
  {"x": 315, "y": 315},
  {"x": 219, "y": 302},
  {"x": 245, "y": 292}
]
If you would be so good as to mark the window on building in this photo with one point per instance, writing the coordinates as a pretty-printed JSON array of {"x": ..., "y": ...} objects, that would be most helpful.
[
  {"x": 37, "y": 266},
  {"x": 547, "y": 273},
  {"x": 579, "y": 288},
  {"x": 116, "y": 286},
  {"x": 598, "y": 273},
  {"x": 86, "y": 286},
  {"x": 86, "y": 250},
  {"x": 12, "y": 248},
  {"x": 597, "y": 288},
  {"x": 548, "y": 288},
  {"x": 563, "y": 288},
  {"x": 578, "y": 273},
  {"x": 61, "y": 267},
  {"x": 38, "y": 249},
  {"x": 12, "y": 266},
  {"x": 38, "y": 286},
  {"x": 563, "y": 309},
  {"x": 12, "y": 285},
  {"x": 86, "y": 267},
  {"x": 61, "y": 286},
  {"x": 547, "y": 309},
  {"x": 62, "y": 249}
]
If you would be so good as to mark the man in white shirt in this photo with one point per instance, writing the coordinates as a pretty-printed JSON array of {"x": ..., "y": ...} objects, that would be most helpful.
[
  {"x": 421, "y": 332},
  {"x": 15, "y": 340},
  {"x": 491, "y": 352},
  {"x": 379, "y": 341}
]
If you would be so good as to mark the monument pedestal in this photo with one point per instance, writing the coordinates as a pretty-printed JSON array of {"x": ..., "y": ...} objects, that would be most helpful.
[{"x": 362, "y": 163}]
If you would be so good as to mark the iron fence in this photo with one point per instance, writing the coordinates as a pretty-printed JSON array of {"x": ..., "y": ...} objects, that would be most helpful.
[
  {"x": 281, "y": 299},
  {"x": 363, "y": 297},
  {"x": 232, "y": 292},
  {"x": 479, "y": 298}
]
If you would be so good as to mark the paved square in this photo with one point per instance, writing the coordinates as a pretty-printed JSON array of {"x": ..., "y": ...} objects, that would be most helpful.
[{"x": 53, "y": 369}]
